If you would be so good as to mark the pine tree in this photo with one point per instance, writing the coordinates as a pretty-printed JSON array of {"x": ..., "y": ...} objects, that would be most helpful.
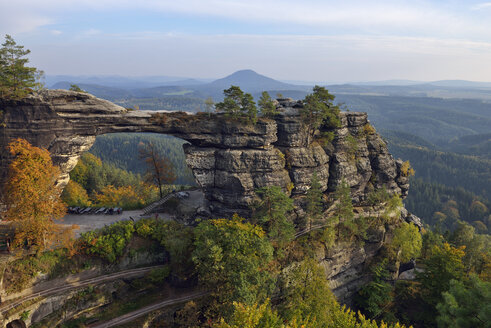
[
  {"x": 314, "y": 200},
  {"x": 344, "y": 211},
  {"x": 238, "y": 104},
  {"x": 16, "y": 79},
  {"x": 267, "y": 106},
  {"x": 272, "y": 213},
  {"x": 318, "y": 109}
]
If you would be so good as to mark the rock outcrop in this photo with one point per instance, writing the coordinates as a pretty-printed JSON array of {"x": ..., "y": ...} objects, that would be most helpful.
[{"x": 230, "y": 160}]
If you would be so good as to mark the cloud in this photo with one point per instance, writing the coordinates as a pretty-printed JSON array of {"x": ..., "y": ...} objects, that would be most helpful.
[
  {"x": 91, "y": 32},
  {"x": 427, "y": 18},
  {"x": 21, "y": 22},
  {"x": 56, "y": 32},
  {"x": 481, "y": 6}
]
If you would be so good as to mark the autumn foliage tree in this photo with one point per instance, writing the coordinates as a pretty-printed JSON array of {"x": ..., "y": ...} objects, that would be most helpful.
[
  {"x": 160, "y": 170},
  {"x": 32, "y": 197}
]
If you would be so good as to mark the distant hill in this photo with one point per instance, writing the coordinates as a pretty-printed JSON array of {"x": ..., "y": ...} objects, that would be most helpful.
[
  {"x": 461, "y": 84},
  {"x": 388, "y": 83},
  {"x": 446, "y": 90},
  {"x": 101, "y": 91},
  {"x": 123, "y": 82},
  {"x": 248, "y": 81},
  {"x": 251, "y": 81}
]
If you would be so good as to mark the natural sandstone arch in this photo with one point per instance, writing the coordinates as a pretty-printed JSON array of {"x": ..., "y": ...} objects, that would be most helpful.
[{"x": 229, "y": 159}]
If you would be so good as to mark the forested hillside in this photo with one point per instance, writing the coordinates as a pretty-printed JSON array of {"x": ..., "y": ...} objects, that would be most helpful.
[
  {"x": 121, "y": 149},
  {"x": 434, "y": 119}
]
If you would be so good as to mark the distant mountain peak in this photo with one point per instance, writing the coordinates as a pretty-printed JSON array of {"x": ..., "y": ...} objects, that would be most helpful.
[{"x": 250, "y": 81}]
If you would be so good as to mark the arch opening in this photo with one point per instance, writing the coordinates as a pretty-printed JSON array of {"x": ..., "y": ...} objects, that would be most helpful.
[{"x": 17, "y": 324}]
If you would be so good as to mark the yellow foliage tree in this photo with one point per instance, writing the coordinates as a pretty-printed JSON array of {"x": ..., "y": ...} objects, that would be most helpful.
[
  {"x": 406, "y": 169},
  {"x": 127, "y": 197},
  {"x": 32, "y": 197},
  {"x": 75, "y": 195}
]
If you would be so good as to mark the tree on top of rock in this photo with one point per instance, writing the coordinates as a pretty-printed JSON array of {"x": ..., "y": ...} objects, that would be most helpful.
[
  {"x": 16, "y": 79},
  {"x": 267, "y": 106},
  {"x": 318, "y": 109},
  {"x": 238, "y": 105}
]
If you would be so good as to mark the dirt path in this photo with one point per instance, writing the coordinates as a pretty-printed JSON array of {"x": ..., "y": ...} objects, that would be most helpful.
[
  {"x": 69, "y": 285},
  {"x": 128, "y": 317}
]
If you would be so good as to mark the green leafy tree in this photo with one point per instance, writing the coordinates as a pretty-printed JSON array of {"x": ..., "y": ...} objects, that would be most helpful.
[
  {"x": 443, "y": 265},
  {"x": 318, "y": 109},
  {"x": 177, "y": 240},
  {"x": 267, "y": 106},
  {"x": 477, "y": 247},
  {"x": 466, "y": 304},
  {"x": 231, "y": 257},
  {"x": 252, "y": 316},
  {"x": 304, "y": 300},
  {"x": 272, "y": 213},
  {"x": 305, "y": 293},
  {"x": 109, "y": 242},
  {"x": 16, "y": 79},
  {"x": 407, "y": 242},
  {"x": 238, "y": 105}
]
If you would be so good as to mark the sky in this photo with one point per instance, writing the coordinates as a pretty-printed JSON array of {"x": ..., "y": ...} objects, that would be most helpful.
[{"x": 307, "y": 40}]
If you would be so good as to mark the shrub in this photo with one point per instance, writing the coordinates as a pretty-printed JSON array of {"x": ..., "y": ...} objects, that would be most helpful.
[
  {"x": 157, "y": 276},
  {"x": 109, "y": 242},
  {"x": 406, "y": 169},
  {"x": 368, "y": 129}
]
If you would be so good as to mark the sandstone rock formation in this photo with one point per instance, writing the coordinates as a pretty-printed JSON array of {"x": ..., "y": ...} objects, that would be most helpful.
[{"x": 230, "y": 160}]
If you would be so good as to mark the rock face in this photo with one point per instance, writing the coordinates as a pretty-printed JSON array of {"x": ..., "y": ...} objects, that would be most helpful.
[{"x": 230, "y": 160}]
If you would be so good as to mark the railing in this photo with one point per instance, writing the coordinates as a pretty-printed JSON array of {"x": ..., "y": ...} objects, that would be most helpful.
[{"x": 147, "y": 210}]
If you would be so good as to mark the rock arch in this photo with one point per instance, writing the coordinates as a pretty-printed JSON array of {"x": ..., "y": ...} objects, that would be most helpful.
[{"x": 229, "y": 160}]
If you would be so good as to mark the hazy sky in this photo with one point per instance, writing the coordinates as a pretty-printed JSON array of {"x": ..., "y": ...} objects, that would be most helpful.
[{"x": 314, "y": 40}]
